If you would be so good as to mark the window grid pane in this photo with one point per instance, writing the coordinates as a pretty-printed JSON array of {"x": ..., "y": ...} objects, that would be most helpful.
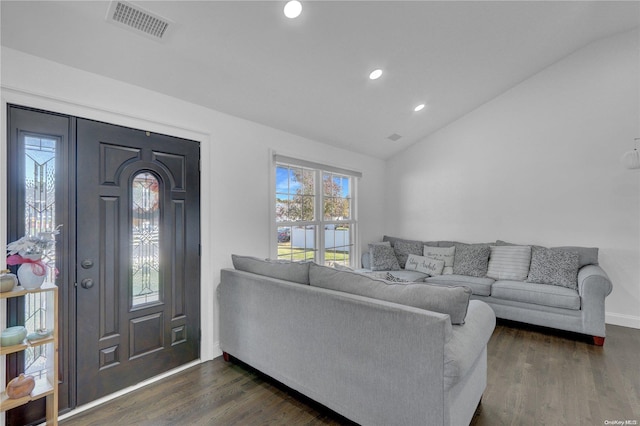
[
  {"x": 296, "y": 243},
  {"x": 295, "y": 195},
  {"x": 337, "y": 197},
  {"x": 337, "y": 241}
]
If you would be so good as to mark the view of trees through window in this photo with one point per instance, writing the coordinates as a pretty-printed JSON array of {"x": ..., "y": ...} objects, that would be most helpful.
[{"x": 309, "y": 200}]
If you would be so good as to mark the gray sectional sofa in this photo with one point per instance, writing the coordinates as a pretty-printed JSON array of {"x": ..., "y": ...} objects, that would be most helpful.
[
  {"x": 375, "y": 352},
  {"x": 567, "y": 296}
]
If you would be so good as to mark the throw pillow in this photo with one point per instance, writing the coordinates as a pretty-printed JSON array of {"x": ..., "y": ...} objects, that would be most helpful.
[
  {"x": 282, "y": 269},
  {"x": 424, "y": 264},
  {"x": 555, "y": 267},
  {"x": 586, "y": 255},
  {"x": 446, "y": 254},
  {"x": 471, "y": 260},
  {"x": 404, "y": 248},
  {"x": 509, "y": 262},
  {"x": 452, "y": 301},
  {"x": 391, "y": 278},
  {"x": 383, "y": 258}
]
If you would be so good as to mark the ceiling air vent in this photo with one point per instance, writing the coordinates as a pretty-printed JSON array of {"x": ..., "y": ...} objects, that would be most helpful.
[{"x": 138, "y": 20}]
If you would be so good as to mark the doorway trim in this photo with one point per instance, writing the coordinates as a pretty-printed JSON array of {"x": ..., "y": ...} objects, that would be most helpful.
[{"x": 208, "y": 347}]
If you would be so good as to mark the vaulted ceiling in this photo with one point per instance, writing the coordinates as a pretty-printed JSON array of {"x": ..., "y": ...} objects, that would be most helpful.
[{"x": 309, "y": 76}]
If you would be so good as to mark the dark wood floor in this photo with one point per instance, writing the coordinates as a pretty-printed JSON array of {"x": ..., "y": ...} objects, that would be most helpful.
[{"x": 535, "y": 377}]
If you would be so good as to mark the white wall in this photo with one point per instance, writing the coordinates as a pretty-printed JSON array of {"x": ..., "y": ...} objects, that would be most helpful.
[
  {"x": 235, "y": 159},
  {"x": 540, "y": 165}
]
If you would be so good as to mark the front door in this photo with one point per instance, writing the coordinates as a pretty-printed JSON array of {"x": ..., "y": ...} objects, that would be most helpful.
[{"x": 138, "y": 262}]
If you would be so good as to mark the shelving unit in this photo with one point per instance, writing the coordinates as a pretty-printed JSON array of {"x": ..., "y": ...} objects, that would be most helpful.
[{"x": 47, "y": 386}]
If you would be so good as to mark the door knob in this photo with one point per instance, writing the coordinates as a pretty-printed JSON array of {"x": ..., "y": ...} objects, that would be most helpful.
[{"x": 86, "y": 283}]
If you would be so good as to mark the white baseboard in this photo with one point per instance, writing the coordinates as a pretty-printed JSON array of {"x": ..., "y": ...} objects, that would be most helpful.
[
  {"x": 622, "y": 320},
  {"x": 216, "y": 350}
]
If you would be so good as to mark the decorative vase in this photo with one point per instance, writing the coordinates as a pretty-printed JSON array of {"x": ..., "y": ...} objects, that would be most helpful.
[{"x": 31, "y": 274}]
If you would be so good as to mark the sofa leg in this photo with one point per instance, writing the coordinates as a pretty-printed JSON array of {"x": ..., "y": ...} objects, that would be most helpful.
[
  {"x": 226, "y": 356},
  {"x": 598, "y": 341}
]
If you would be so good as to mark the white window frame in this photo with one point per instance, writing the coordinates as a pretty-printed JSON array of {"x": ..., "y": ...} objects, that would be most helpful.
[{"x": 319, "y": 222}]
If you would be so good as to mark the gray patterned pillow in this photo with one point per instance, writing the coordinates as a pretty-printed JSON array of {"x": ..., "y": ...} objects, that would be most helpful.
[
  {"x": 383, "y": 258},
  {"x": 555, "y": 267},
  {"x": 392, "y": 278},
  {"x": 404, "y": 248},
  {"x": 471, "y": 260}
]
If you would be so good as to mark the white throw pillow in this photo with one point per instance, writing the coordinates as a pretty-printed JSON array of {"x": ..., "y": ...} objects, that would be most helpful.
[
  {"x": 424, "y": 264},
  {"x": 447, "y": 254},
  {"x": 509, "y": 262}
]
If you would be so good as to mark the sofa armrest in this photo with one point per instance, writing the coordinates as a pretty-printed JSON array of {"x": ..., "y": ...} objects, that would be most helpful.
[
  {"x": 468, "y": 341},
  {"x": 593, "y": 281},
  {"x": 594, "y": 286}
]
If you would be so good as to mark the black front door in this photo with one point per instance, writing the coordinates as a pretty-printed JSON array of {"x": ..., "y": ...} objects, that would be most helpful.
[{"x": 138, "y": 263}]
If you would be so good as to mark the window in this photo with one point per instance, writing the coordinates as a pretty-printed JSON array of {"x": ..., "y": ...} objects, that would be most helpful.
[
  {"x": 314, "y": 212},
  {"x": 145, "y": 239},
  {"x": 39, "y": 216}
]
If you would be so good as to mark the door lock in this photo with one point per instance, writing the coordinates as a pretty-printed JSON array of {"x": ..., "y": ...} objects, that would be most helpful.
[
  {"x": 87, "y": 264},
  {"x": 86, "y": 283}
]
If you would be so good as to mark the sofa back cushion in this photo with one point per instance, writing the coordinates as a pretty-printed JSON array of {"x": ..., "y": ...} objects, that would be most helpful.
[
  {"x": 453, "y": 301},
  {"x": 297, "y": 272}
]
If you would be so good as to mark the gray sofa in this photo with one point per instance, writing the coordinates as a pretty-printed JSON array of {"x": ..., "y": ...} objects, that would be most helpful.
[
  {"x": 374, "y": 361},
  {"x": 579, "y": 308}
]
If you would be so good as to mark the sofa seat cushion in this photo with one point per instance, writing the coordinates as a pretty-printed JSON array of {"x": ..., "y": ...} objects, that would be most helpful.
[
  {"x": 452, "y": 301},
  {"x": 538, "y": 294},
  {"x": 480, "y": 286}
]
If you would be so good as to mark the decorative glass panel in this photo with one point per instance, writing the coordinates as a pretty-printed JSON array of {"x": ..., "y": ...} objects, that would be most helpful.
[
  {"x": 39, "y": 216},
  {"x": 145, "y": 230}
]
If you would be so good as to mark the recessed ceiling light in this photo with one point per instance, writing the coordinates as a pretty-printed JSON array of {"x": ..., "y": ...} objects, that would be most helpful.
[
  {"x": 419, "y": 108},
  {"x": 375, "y": 74},
  {"x": 292, "y": 9}
]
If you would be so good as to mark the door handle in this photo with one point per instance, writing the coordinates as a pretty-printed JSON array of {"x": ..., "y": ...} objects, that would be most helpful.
[{"x": 86, "y": 283}]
